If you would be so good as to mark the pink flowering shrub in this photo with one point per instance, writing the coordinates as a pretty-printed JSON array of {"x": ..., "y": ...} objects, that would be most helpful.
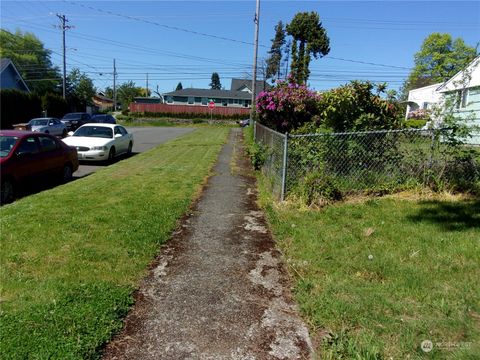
[
  {"x": 287, "y": 106},
  {"x": 419, "y": 114}
]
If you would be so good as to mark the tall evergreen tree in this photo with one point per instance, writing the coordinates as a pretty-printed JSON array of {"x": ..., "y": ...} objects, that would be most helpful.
[
  {"x": 215, "y": 82},
  {"x": 309, "y": 38},
  {"x": 275, "y": 54},
  {"x": 179, "y": 86}
]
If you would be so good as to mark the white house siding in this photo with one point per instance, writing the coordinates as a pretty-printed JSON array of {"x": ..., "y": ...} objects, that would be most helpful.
[{"x": 424, "y": 97}]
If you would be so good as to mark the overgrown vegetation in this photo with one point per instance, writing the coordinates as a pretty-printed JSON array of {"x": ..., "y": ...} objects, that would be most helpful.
[
  {"x": 375, "y": 278},
  {"x": 72, "y": 256}
]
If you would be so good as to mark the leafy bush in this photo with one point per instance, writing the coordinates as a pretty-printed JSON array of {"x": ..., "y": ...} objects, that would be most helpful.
[
  {"x": 415, "y": 123},
  {"x": 354, "y": 107},
  {"x": 318, "y": 188},
  {"x": 258, "y": 155}
]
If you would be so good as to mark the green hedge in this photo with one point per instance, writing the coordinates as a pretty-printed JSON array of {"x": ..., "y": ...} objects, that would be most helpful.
[
  {"x": 18, "y": 107},
  {"x": 54, "y": 105}
]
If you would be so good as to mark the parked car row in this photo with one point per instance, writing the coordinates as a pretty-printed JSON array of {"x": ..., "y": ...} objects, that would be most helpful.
[
  {"x": 70, "y": 122},
  {"x": 74, "y": 120},
  {"x": 34, "y": 156}
]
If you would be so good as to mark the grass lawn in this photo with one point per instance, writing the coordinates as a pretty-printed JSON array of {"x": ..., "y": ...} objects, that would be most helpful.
[
  {"x": 377, "y": 277},
  {"x": 71, "y": 257}
]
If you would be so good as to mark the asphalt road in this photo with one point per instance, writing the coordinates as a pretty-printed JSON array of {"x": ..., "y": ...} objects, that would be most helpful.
[{"x": 145, "y": 138}]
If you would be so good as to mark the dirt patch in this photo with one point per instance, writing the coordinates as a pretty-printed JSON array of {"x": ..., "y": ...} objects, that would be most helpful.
[{"x": 218, "y": 289}]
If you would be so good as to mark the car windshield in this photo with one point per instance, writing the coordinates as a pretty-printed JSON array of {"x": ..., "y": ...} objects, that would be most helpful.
[
  {"x": 6, "y": 144},
  {"x": 94, "y": 131},
  {"x": 72, "y": 116},
  {"x": 39, "y": 122}
]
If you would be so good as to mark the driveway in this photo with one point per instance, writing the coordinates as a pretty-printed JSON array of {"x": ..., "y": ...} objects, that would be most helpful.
[{"x": 145, "y": 138}]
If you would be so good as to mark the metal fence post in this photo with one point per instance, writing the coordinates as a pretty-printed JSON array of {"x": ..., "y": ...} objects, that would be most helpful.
[{"x": 284, "y": 167}]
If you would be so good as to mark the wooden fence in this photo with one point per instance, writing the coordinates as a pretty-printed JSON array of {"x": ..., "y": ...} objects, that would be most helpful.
[{"x": 188, "y": 109}]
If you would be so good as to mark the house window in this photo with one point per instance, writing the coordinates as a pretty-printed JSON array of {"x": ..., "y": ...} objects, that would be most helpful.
[
  {"x": 462, "y": 99},
  {"x": 169, "y": 100},
  {"x": 191, "y": 100},
  {"x": 225, "y": 102},
  {"x": 204, "y": 101}
]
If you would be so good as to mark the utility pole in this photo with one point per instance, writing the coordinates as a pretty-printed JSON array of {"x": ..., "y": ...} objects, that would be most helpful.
[
  {"x": 255, "y": 52},
  {"x": 114, "y": 86},
  {"x": 146, "y": 93},
  {"x": 64, "y": 27}
]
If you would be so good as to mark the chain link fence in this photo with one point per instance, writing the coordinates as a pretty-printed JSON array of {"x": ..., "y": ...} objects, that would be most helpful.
[{"x": 367, "y": 161}]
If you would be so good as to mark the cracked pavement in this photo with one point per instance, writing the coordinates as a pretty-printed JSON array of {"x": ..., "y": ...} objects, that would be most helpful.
[{"x": 218, "y": 289}]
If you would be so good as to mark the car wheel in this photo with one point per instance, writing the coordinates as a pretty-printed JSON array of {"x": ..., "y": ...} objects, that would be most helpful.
[
  {"x": 7, "y": 192},
  {"x": 67, "y": 173},
  {"x": 111, "y": 154},
  {"x": 129, "y": 150}
]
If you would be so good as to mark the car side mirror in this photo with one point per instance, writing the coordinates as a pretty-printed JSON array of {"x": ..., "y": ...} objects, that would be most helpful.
[
  {"x": 70, "y": 133},
  {"x": 118, "y": 135}
]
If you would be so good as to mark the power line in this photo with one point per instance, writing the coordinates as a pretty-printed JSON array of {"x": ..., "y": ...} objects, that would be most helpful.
[{"x": 160, "y": 25}]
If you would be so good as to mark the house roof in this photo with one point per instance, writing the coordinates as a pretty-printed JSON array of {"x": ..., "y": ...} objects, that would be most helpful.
[
  {"x": 208, "y": 93},
  {"x": 239, "y": 84},
  {"x": 466, "y": 78},
  {"x": 4, "y": 63},
  {"x": 101, "y": 97}
]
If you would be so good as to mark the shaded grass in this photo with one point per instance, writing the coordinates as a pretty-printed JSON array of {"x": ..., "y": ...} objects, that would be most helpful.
[
  {"x": 72, "y": 256},
  {"x": 422, "y": 281}
]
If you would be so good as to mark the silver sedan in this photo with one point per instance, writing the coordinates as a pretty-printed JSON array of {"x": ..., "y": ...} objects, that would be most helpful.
[{"x": 48, "y": 125}]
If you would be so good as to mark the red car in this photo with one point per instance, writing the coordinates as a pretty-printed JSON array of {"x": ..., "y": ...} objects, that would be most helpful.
[{"x": 32, "y": 157}]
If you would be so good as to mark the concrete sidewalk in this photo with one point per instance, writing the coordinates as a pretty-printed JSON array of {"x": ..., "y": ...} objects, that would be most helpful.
[{"x": 218, "y": 290}]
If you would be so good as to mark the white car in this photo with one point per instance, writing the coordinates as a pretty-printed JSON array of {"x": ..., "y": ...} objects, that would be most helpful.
[{"x": 99, "y": 142}]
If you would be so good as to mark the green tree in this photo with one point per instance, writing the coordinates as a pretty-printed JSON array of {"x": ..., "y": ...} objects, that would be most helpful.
[
  {"x": 309, "y": 38},
  {"x": 80, "y": 90},
  {"x": 179, "y": 86},
  {"x": 274, "y": 59},
  {"x": 127, "y": 92},
  {"x": 31, "y": 59},
  {"x": 108, "y": 92},
  {"x": 215, "y": 82},
  {"x": 440, "y": 57}
]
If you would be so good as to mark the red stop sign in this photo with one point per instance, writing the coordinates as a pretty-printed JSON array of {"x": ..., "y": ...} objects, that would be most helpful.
[{"x": 211, "y": 105}]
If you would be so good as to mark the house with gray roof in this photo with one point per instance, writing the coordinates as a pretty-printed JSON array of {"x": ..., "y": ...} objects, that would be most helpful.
[
  {"x": 10, "y": 78},
  {"x": 239, "y": 95}
]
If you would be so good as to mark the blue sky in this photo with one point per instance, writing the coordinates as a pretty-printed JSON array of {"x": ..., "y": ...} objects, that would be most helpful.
[{"x": 186, "y": 41}]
